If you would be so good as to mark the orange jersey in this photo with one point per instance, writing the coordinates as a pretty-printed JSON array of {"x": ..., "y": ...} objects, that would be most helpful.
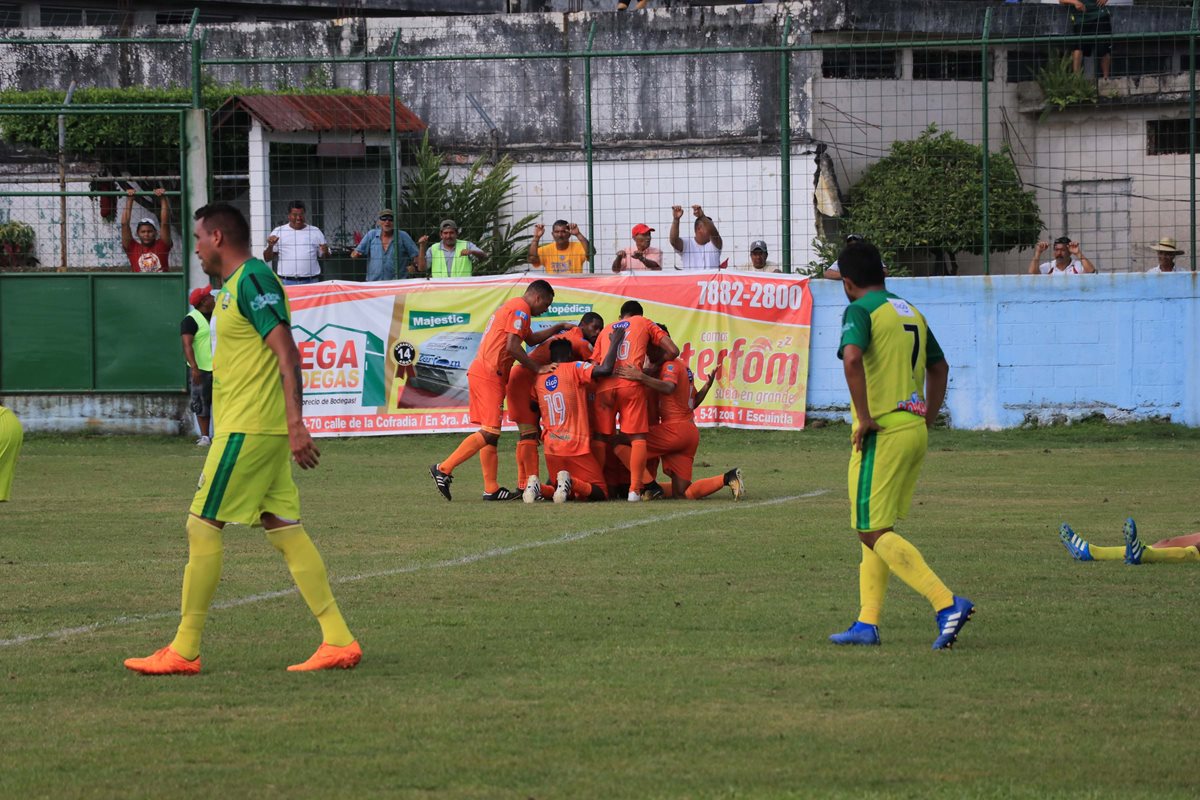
[
  {"x": 640, "y": 333},
  {"x": 580, "y": 346},
  {"x": 513, "y": 316},
  {"x": 564, "y": 407},
  {"x": 679, "y": 403}
]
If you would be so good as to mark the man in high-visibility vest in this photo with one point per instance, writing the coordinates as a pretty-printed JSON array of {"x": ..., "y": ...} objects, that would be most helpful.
[
  {"x": 450, "y": 258},
  {"x": 197, "y": 352}
]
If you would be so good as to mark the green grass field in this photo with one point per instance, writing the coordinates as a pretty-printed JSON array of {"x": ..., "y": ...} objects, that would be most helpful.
[{"x": 613, "y": 650}]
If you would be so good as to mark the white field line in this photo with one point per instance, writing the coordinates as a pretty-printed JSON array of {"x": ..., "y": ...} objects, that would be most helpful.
[{"x": 461, "y": 561}]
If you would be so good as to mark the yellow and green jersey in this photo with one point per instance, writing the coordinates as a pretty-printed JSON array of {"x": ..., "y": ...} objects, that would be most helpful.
[
  {"x": 897, "y": 346},
  {"x": 247, "y": 391}
]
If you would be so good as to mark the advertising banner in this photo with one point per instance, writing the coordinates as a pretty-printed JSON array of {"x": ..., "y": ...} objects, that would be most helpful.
[{"x": 391, "y": 358}]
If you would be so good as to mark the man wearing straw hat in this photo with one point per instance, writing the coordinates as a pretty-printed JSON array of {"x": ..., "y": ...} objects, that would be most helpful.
[{"x": 1167, "y": 250}]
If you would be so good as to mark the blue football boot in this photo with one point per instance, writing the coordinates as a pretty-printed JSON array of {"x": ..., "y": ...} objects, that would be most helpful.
[
  {"x": 858, "y": 633},
  {"x": 1076, "y": 545},
  {"x": 950, "y": 621},
  {"x": 1133, "y": 545}
]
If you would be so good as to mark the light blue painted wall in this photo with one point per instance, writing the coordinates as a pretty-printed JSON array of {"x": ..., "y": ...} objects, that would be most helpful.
[{"x": 1034, "y": 347}]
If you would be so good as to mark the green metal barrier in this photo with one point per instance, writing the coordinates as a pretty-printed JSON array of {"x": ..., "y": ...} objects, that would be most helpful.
[{"x": 91, "y": 333}]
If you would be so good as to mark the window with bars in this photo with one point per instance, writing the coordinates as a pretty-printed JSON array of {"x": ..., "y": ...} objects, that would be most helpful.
[
  {"x": 949, "y": 65},
  {"x": 860, "y": 64},
  {"x": 1167, "y": 137}
]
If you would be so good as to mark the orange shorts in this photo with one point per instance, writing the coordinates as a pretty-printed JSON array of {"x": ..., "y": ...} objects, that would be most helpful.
[
  {"x": 487, "y": 398},
  {"x": 626, "y": 402},
  {"x": 520, "y": 396},
  {"x": 582, "y": 468},
  {"x": 676, "y": 441}
]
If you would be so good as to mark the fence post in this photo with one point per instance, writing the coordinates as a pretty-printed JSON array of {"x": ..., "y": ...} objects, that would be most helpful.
[
  {"x": 395, "y": 165},
  {"x": 785, "y": 144},
  {"x": 987, "y": 175},
  {"x": 587, "y": 142},
  {"x": 196, "y": 52},
  {"x": 1192, "y": 127}
]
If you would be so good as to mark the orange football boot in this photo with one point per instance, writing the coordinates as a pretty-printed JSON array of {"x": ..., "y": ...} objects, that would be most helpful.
[
  {"x": 164, "y": 662},
  {"x": 329, "y": 656}
]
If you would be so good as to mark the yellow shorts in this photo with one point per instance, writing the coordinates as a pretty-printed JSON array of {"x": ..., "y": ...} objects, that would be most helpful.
[
  {"x": 245, "y": 476},
  {"x": 11, "y": 436},
  {"x": 884, "y": 474}
]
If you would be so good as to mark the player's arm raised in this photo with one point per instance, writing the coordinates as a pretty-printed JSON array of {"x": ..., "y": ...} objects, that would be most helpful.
[
  {"x": 299, "y": 439},
  {"x": 669, "y": 351},
  {"x": 708, "y": 384}
]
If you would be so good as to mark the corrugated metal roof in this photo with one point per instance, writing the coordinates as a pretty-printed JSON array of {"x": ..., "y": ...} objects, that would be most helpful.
[{"x": 325, "y": 112}]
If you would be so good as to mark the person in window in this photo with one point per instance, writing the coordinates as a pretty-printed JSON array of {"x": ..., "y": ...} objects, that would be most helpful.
[{"x": 148, "y": 252}]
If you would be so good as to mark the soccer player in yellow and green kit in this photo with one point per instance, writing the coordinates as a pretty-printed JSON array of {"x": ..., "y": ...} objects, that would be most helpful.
[
  {"x": 247, "y": 476},
  {"x": 897, "y": 378}
]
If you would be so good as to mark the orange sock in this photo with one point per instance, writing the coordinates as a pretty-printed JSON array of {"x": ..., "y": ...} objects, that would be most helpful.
[
  {"x": 548, "y": 491},
  {"x": 668, "y": 489},
  {"x": 527, "y": 461},
  {"x": 704, "y": 487},
  {"x": 489, "y": 459},
  {"x": 637, "y": 465},
  {"x": 581, "y": 490},
  {"x": 600, "y": 452},
  {"x": 467, "y": 448},
  {"x": 622, "y": 453}
]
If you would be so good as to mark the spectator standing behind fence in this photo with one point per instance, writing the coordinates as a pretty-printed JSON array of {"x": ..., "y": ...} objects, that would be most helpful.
[
  {"x": 562, "y": 255},
  {"x": 1068, "y": 259},
  {"x": 1167, "y": 251},
  {"x": 758, "y": 259},
  {"x": 702, "y": 250},
  {"x": 450, "y": 258},
  {"x": 1090, "y": 18},
  {"x": 148, "y": 252},
  {"x": 384, "y": 263},
  {"x": 194, "y": 331},
  {"x": 641, "y": 255},
  {"x": 296, "y": 248}
]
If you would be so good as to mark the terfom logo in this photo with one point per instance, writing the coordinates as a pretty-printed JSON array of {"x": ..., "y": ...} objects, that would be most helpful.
[{"x": 342, "y": 366}]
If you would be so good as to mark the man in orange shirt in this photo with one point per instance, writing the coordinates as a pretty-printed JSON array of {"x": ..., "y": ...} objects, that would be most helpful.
[
  {"x": 487, "y": 378},
  {"x": 520, "y": 385},
  {"x": 621, "y": 397},
  {"x": 675, "y": 437},
  {"x": 567, "y": 439}
]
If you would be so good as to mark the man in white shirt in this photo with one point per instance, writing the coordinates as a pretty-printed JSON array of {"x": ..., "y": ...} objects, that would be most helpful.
[
  {"x": 297, "y": 248},
  {"x": 703, "y": 249},
  {"x": 1068, "y": 259},
  {"x": 758, "y": 259}
]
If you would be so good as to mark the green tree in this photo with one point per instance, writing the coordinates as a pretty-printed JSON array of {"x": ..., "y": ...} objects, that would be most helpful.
[
  {"x": 479, "y": 203},
  {"x": 927, "y": 194}
]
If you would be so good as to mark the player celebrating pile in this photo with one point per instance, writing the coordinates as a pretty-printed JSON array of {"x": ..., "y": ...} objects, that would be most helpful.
[
  {"x": 487, "y": 379},
  {"x": 247, "y": 476},
  {"x": 888, "y": 355}
]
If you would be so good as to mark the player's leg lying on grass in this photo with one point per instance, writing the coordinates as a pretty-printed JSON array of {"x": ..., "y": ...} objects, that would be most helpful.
[{"x": 1177, "y": 549}]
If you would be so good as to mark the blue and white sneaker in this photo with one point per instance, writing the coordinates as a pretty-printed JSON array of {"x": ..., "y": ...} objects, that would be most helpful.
[
  {"x": 1133, "y": 545},
  {"x": 858, "y": 633},
  {"x": 1076, "y": 545},
  {"x": 950, "y": 621}
]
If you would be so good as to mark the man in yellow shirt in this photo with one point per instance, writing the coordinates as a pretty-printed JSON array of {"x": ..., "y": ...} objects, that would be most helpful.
[
  {"x": 247, "y": 477},
  {"x": 561, "y": 255}
]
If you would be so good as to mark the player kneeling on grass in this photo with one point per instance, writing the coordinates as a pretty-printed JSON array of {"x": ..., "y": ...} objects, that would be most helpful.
[
  {"x": 897, "y": 377},
  {"x": 675, "y": 437},
  {"x": 561, "y": 398},
  {"x": 1165, "y": 551},
  {"x": 247, "y": 477}
]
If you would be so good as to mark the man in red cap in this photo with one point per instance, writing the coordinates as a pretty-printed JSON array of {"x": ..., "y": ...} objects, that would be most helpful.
[
  {"x": 197, "y": 352},
  {"x": 642, "y": 255}
]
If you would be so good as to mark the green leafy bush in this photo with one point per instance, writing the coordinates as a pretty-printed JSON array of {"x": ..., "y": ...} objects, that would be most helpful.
[
  {"x": 479, "y": 203},
  {"x": 1062, "y": 86},
  {"x": 16, "y": 244},
  {"x": 927, "y": 194}
]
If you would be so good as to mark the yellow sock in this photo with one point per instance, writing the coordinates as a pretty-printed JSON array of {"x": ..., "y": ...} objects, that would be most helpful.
[
  {"x": 905, "y": 560},
  {"x": 308, "y": 571},
  {"x": 200, "y": 579},
  {"x": 872, "y": 586},
  {"x": 1168, "y": 555},
  {"x": 1107, "y": 553}
]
